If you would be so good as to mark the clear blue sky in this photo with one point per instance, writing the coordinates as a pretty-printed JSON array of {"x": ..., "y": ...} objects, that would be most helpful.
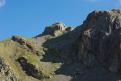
[{"x": 29, "y": 17}]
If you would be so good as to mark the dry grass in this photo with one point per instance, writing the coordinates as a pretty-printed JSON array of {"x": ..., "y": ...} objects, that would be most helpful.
[{"x": 11, "y": 51}]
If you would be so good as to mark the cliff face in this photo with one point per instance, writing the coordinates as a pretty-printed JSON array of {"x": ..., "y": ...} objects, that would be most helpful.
[
  {"x": 100, "y": 40},
  {"x": 63, "y": 53}
]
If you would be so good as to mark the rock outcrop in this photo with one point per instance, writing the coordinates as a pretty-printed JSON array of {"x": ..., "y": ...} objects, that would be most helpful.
[
  {"x": 31, "y": 69},
  {"x": 56, "y": 29},
  {"x": 101, "y": 39},
  {"x": 6, "y": 74},
  {"x": 26, "y": 44}
]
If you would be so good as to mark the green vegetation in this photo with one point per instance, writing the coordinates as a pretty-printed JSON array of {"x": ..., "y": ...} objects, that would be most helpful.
[{"x": 12, "y": 50}]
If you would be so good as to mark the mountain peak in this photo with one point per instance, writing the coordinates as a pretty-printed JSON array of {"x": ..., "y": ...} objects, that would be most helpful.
[{"x": 63, "y": 53}]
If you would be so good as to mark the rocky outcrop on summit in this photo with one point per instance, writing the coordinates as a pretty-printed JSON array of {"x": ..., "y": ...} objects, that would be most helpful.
[
  {"x": 100, "y": 40},
  {"x": 56, "y": 29}
]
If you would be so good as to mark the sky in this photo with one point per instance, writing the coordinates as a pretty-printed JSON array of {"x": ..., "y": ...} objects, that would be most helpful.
[{"x": 30, "y": 17}]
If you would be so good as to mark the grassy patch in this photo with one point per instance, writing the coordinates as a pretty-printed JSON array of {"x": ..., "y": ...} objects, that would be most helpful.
[{"x": 12, "y": 50}]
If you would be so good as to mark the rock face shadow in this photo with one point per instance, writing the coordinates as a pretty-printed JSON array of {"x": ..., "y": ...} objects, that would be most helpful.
[
  {"x": 75, "y": 69},
  {"x": 91, "y": 52}
]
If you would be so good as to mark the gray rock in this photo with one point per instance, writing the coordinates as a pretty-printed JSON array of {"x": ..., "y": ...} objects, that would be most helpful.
[
  {"x": 100, "y": 39},
  {"x": 6, "y": 74},
  {"x": 31, "y": 69},
  {"x": 55, "y": 29}
]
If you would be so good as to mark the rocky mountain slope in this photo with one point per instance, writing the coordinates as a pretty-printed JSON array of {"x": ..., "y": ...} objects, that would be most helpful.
[{"x": 89, "y": 52}]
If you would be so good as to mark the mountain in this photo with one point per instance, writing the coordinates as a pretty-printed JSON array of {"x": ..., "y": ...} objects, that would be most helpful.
[{"x": 89, "y": 52}]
